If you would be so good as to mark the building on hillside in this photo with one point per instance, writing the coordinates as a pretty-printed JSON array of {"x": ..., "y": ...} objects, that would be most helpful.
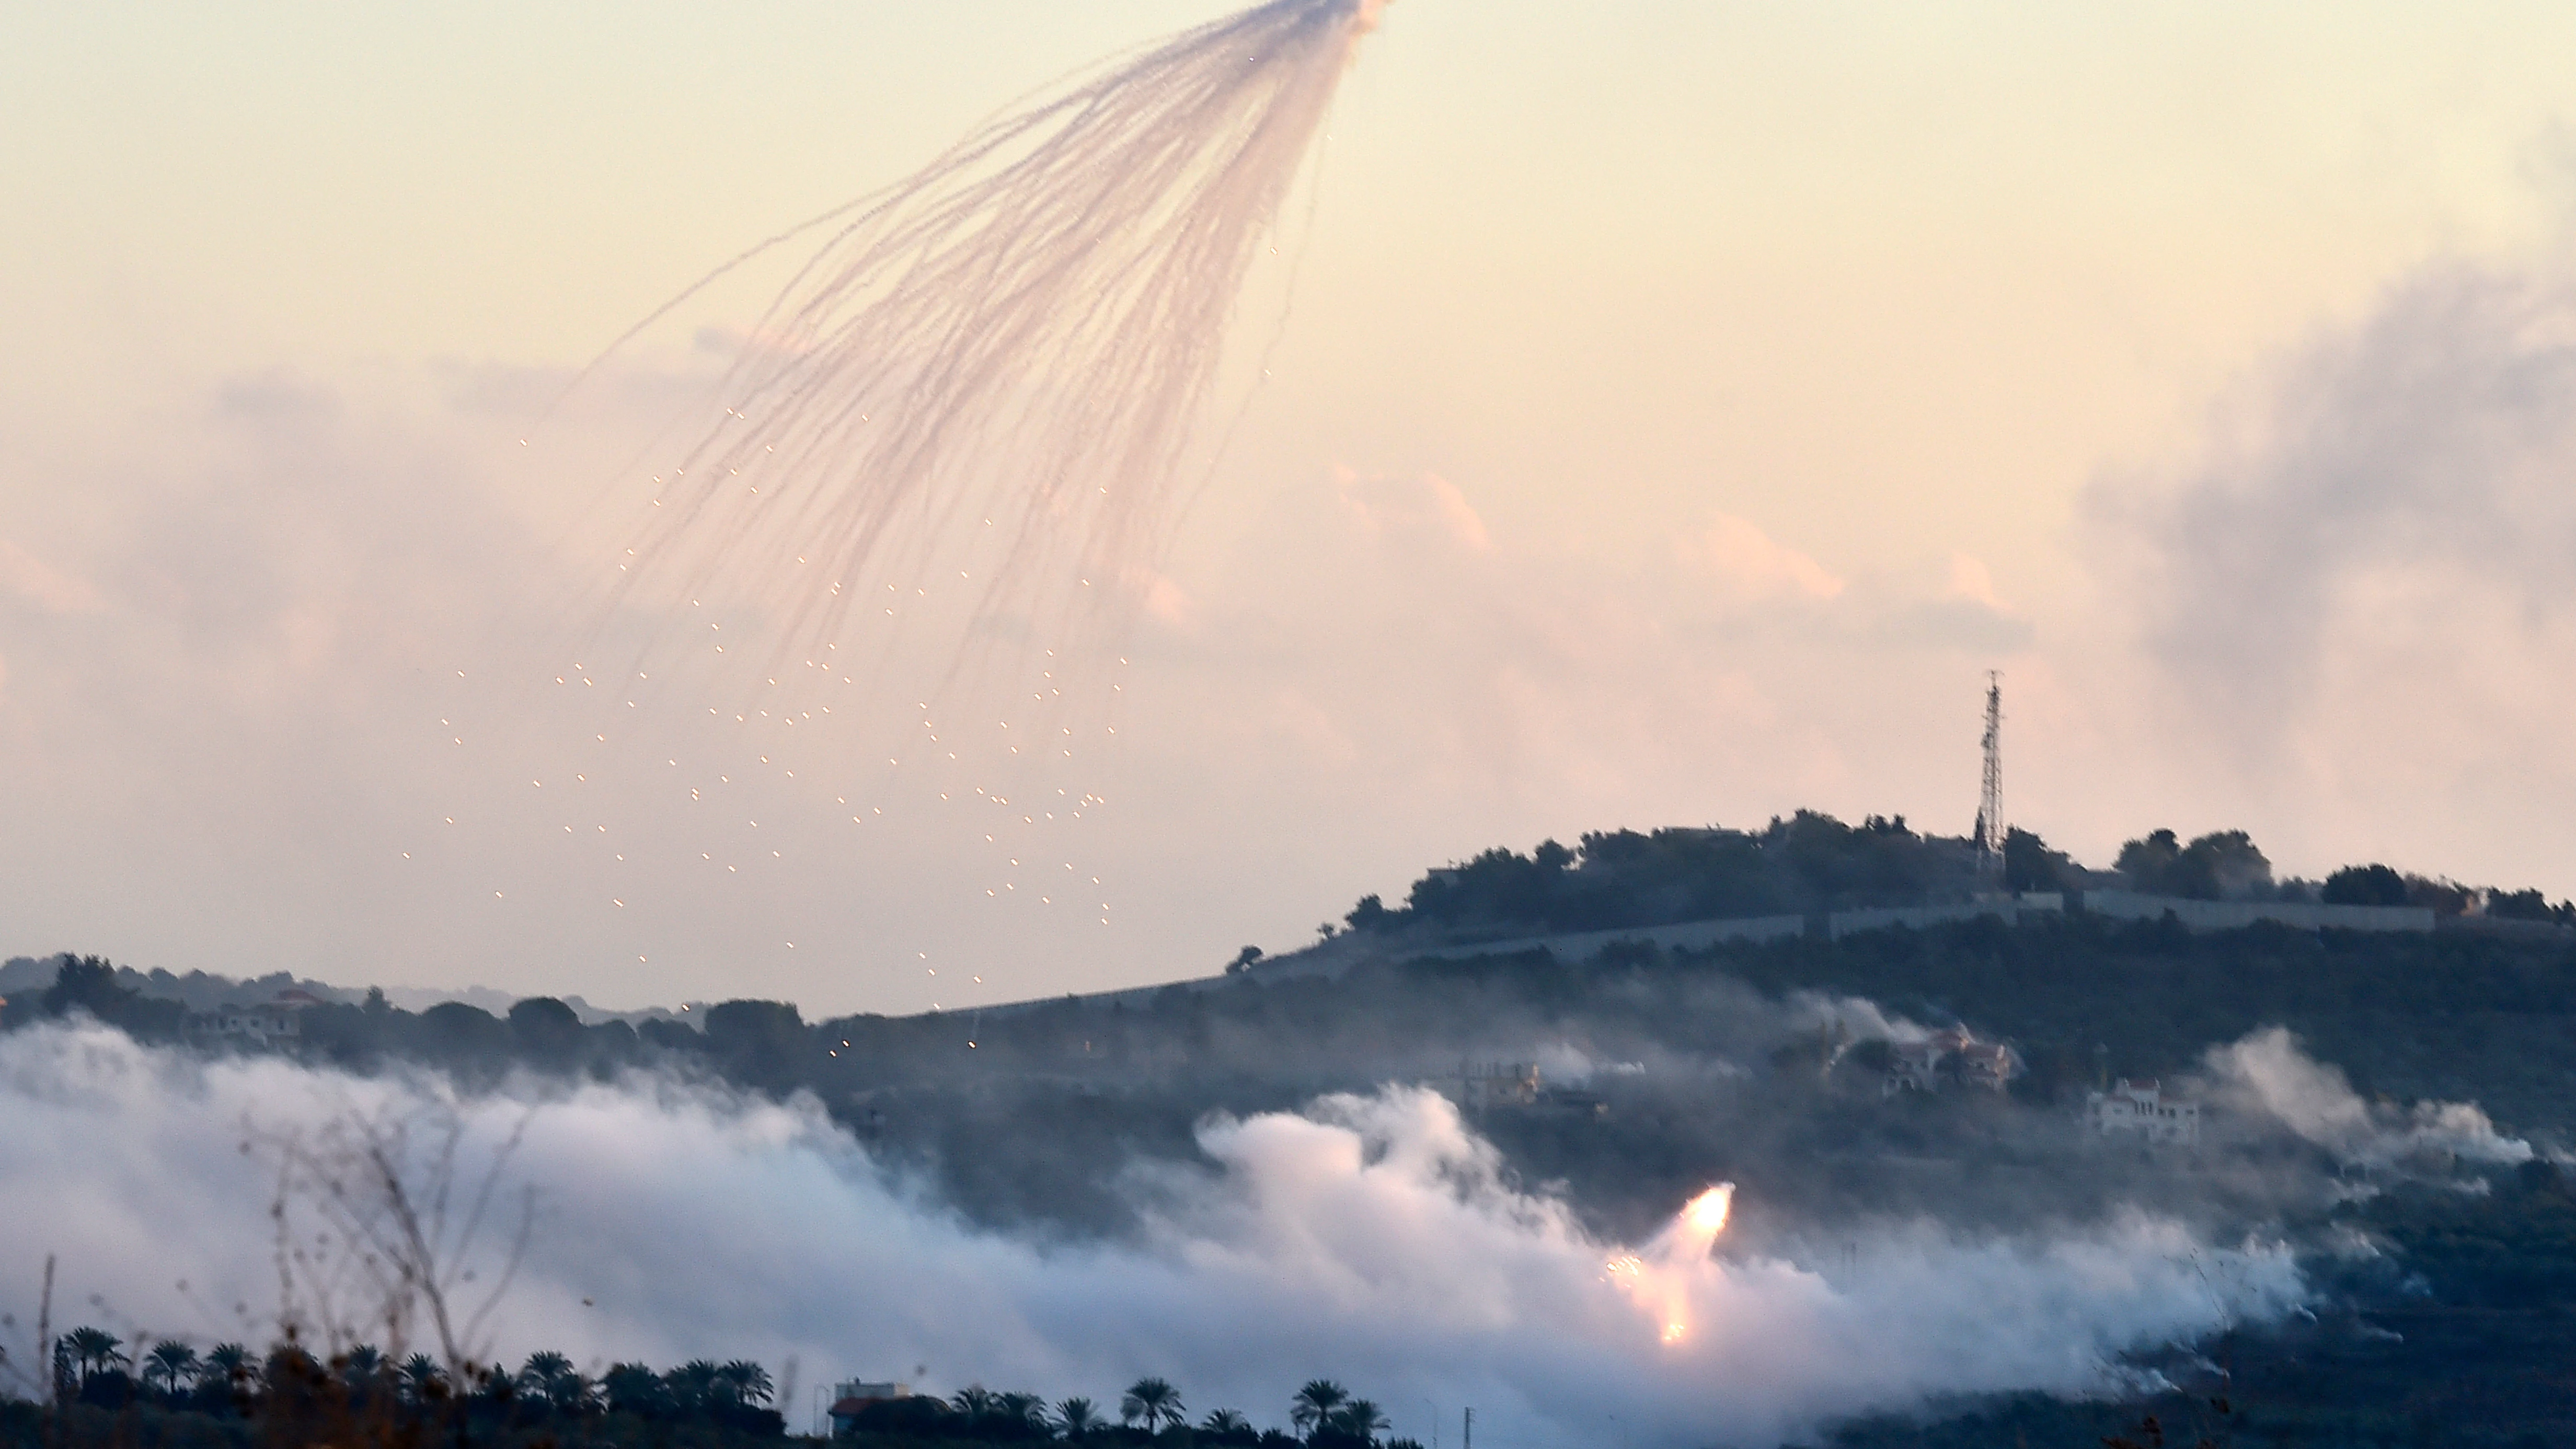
[
  {"x": 262, "y": 1025},
  {"x": 1955, "y": 1056},
  {"x": 1483, "y": 1085},
  {"x": 851, "y": 1396},
  {"x": 1480, "y": 1087},
  {"x": 2140, "y": 1109},
  {"x": 1912, "y": 1066}
]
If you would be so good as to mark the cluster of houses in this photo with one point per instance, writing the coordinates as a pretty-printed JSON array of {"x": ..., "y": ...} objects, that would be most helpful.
[{"x": 2133, "y": 1110}]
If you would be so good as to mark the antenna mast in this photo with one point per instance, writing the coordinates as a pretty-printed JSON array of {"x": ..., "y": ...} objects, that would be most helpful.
[{"x": 1990, "y": 803}]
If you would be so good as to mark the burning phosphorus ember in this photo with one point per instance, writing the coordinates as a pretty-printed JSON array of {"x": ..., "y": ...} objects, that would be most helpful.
[{"x": 1658, "y": 1278}]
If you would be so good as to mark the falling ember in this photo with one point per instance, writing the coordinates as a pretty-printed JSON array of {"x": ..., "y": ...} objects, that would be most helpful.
[{"x": 1658, "y": 1278}]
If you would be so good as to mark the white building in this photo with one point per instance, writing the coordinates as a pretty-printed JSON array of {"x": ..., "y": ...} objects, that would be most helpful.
[{"x": 2140, "y": 1109}]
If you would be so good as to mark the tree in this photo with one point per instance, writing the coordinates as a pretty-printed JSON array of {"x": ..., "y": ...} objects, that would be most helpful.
[
  {"x": 88, "y": 983},
  {"x": 550, "y": 1376},
  {"x": 1243, "y": 961},
  {"x": 694, "y": 1386},
  {"x": 1361, "y": 1419},
  {"x": 633, "y": 1388},
  {"x": 362, "y": 1365},
  {"x": 460, "y": 1032},
  {"x": 545, "y": 1031},
  {"x": 2529, "y": 905},
  {"x": 234, "y": 1365},
  {"x": 1314, "y": 1405},
  {"x": 1155, "y": 1402},
  {"x": 2148, "y": 862},
  {"x": 2222, "y": 865},
  {"x": 541, "y": 1370},
  {"x": 2226, "y": 864},
  {"x": 1228, "y": 1426},
  {"x": 2365, "y": 885},
  {"x": 2029, "y": 865},
  {"x": 748, "y": 1381},
  {"x": 94, "y": 1351},
  {"x": 974, "y": 1401},
  {"x": 420, "y": 1379},
  {"x": 169, "y": 1362},
  {"x": 1075, "y": 1418}
]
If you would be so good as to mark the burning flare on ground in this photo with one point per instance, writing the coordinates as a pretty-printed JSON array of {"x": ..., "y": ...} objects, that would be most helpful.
[{"x": 1658, "y": 1279}]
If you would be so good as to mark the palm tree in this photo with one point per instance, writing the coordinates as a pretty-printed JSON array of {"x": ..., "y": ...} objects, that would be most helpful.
[
  {"x": 634, "y": 1389},
  {"x": 542, "y": 1369},
  {"x": 1314, "y": 1405},
  {"x": 748, "y": 1380},
  {"x": 694, "y": 1385},
  {"x": 1361, "y": 1419},
  {"x": 170, "y": 1361},
  {"x": 94, "y": 1351},
  {"x": 1153, "y": 1400},
  {"x": 1076, "y": 1418},
  {"x": 1026, "y": 1409},
  {"x": 362, "y": 1365},
  {"x": 573, "y": 1394},
  {"x": 1225, "y": 1421},
  {"x": 420, "y": 1378},
  {"x": 234, "y": 1365}
]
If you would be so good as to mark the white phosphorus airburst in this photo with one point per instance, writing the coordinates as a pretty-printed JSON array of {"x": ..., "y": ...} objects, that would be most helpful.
[{"x": 982, "y": 385}]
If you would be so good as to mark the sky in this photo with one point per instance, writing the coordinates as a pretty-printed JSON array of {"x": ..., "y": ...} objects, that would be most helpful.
[{"x": 1671, "y": 412}]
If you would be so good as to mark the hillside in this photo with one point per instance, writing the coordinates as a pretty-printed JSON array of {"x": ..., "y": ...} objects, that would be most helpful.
[{"x": 1628, "y": 1079}]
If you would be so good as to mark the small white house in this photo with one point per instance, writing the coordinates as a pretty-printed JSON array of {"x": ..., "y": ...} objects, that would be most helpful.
[{"x": 2140, "y": 1109}]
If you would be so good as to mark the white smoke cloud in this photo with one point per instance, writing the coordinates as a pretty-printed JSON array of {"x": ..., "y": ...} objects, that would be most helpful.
[
  {"x": 1858, "y": 1018},
  {"x": 2266, "y": 1073},
  {"x": 1373, "y": 1239}
]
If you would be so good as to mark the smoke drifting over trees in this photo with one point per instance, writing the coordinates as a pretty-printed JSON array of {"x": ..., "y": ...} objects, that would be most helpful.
[
  {"x": 1375, "y": 1231},
  {"x": 1415, "y": 1169}
]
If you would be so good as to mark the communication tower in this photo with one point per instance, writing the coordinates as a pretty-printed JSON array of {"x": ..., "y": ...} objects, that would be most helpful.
[{"x": 1990, "y": 802}]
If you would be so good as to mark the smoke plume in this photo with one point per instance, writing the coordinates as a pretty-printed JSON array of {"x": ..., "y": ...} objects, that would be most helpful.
[
  {"x": 2266, "y": 1075},
  {"x": 1374, "y": 1239}
]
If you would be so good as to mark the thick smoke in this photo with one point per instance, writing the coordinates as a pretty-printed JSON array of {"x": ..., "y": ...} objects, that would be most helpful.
[
  {"x": 1373, "y": 1238},
  {"x": 2266, "y": 1076}
]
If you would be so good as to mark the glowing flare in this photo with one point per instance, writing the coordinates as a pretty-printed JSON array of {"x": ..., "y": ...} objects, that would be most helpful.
[
  {"x": 1659, "y": 1278},
  {"x": 1706, "y": 1215}
]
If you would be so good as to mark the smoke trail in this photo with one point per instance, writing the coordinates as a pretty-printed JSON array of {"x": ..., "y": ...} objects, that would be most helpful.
[
  {"x": 1372, "y": 1239},
  {"x": 2265, "y": 1074},
  {"x": 982, "y": 385}
]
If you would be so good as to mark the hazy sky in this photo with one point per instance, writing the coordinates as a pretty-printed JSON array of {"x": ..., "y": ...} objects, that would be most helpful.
[{"x": 1677, "y": 408}]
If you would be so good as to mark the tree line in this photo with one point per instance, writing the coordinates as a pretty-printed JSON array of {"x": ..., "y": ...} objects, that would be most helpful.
[
  {"x": 170, "y": 1393},
  {"x": 1811, "y": 862},
  {"x": 1323, "y": 1414}
]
